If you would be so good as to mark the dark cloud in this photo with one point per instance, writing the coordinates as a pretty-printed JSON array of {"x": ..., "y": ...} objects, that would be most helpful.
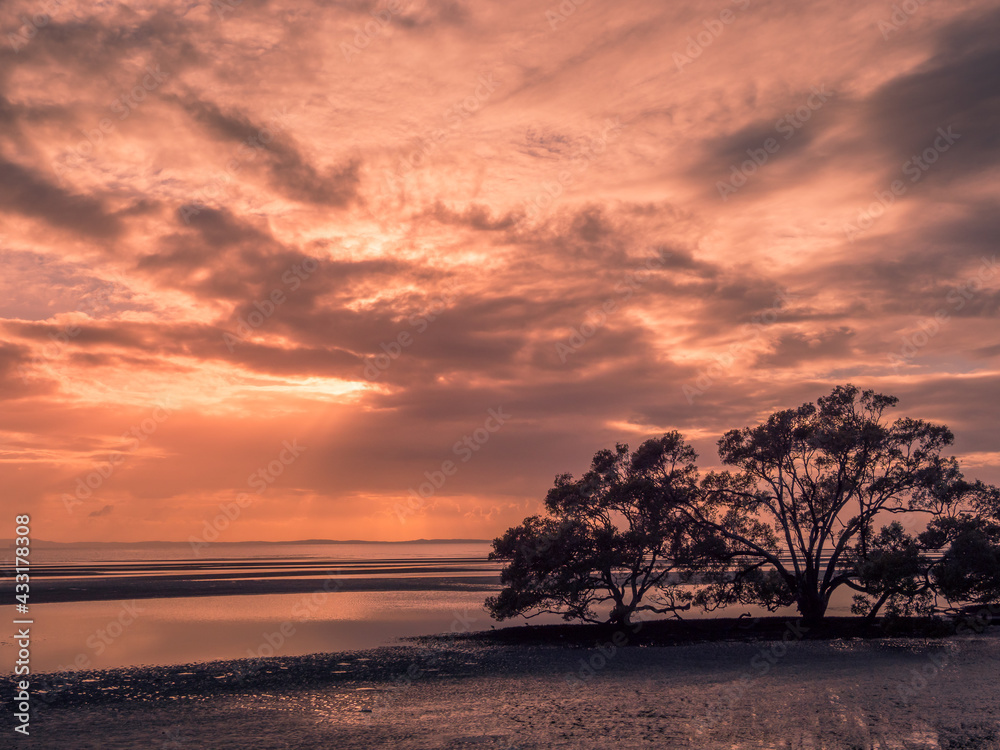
[
  {"x": 796, "y": 349},
  {"x": 288, "y": 170},
  {"x": 789, "y": 133},
  {"x": 19, "y": 376},
  {"x": 109, "y": 45},
  {"x": 958, "y": 88},
  {"x": 475, "y": 217},
  {"x": 119, "y": 344},
  {"x": 27, "y": 193}
]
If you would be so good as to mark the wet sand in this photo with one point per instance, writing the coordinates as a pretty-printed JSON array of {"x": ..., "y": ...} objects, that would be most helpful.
[
  {"x": 471, "y": 693},
  {"x": 48, "y": 591},
  {"x": 155, "y": 579}
]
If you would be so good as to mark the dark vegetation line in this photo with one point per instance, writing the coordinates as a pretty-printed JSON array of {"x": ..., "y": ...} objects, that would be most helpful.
[{"x": 820, "y": 497}]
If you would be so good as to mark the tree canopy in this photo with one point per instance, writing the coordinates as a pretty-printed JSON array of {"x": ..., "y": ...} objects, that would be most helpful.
[
  {"x": 615, "y": 539},
  {"x": 818, "y": 497}
]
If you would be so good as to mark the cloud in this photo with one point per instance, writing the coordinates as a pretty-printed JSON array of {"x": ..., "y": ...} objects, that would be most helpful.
[
  {"x": 31, "y": 195},
  {"x": 479, "y": 208}
]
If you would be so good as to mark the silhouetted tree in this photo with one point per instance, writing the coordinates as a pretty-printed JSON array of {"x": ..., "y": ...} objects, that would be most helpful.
[
  {"x": 811, "y": 506},
  {"x": 893, "y": 575},
  {"x": 615, "y": 540},
  {"x": 969, "y": 570},
  {"x": 805, "y": 513}
]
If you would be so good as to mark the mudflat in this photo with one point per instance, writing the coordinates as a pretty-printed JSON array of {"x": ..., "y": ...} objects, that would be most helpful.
[{"x": 473, "y": 693}]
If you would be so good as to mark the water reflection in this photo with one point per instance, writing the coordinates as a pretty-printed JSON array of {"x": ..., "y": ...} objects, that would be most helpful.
[{"x": 99, "y": 635}]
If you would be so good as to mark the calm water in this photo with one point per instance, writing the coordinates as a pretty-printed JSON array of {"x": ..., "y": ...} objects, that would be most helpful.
[
  {"x": 230, "y": 551},
  {"x": 181, "y": 630},
  {"x": 96, "y": 635}
]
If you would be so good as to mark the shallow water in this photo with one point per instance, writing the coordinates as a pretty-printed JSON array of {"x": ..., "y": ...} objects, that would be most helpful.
[
  {"x": 429, "y": 588},
  {"x": 46, "y": 553},
  {"x": 101, "y": 635}
]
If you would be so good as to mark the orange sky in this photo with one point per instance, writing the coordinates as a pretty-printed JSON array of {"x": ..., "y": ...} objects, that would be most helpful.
[{"x": 285, "y": 258}]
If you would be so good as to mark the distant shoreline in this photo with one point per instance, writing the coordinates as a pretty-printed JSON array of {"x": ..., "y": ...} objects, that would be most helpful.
[{"x": 129, "y": 545}]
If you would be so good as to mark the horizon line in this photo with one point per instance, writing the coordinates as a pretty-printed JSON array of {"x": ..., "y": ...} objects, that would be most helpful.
[{"x": 262, "y": 541}]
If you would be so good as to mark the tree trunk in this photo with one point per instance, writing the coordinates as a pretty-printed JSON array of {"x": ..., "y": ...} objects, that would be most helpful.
[
  {"x": 870, "y": 617},
  {"x": 621, "y": 617},
  {"x": 812, "y": 606}
]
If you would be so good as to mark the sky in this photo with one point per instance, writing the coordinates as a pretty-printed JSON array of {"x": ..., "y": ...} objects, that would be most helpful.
[{"x": 381, "y": 271}]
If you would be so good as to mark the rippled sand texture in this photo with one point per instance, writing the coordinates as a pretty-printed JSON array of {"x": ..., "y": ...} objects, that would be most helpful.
[{"x": 871, "y": 694}]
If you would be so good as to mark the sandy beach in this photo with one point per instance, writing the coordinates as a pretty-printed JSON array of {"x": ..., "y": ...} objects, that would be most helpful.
[{"x": 464, "y": 693}]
